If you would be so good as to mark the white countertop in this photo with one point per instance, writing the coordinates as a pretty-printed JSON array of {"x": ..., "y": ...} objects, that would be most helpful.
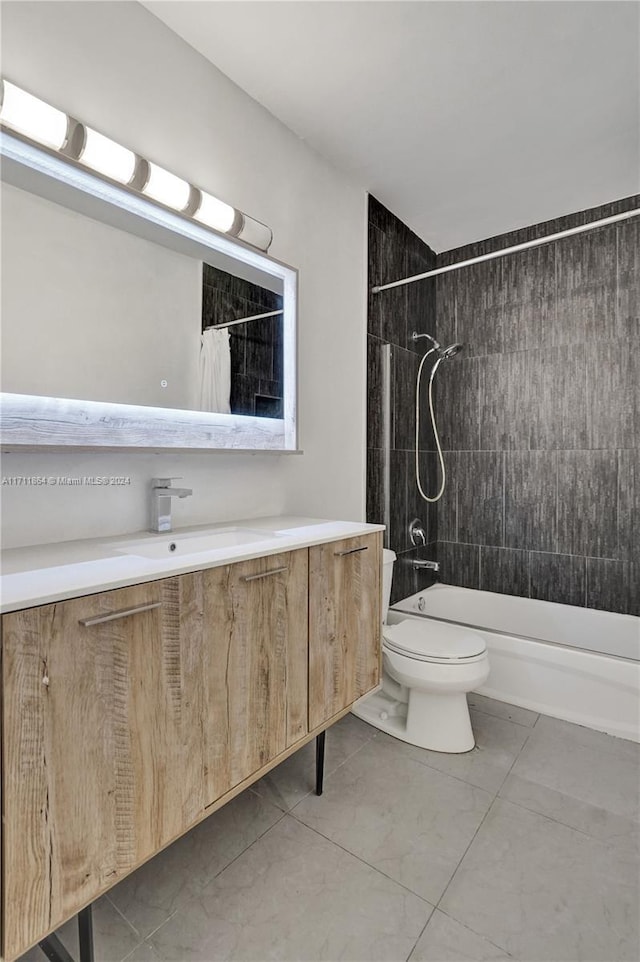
[{"x": 42, "y": 574}]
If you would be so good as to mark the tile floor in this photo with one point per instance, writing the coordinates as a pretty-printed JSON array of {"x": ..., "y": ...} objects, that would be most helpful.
[{"x": 526, "y": 848}]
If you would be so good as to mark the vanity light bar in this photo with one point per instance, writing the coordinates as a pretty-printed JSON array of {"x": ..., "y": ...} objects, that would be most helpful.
[{"x": 49, "y": 127}]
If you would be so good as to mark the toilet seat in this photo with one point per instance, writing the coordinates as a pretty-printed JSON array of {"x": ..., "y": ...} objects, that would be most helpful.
[{"x": 445, "y": 644}]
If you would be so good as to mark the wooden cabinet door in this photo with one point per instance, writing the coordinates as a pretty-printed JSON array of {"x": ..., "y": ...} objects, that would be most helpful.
[
  {"x": 345, "y": 622},
  {"x": 103, "y": 760},
  {"x": 256, "y": 630}
]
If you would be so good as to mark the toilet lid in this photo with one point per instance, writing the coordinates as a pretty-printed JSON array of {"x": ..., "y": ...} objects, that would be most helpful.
[{"x": 433, "y": 642}]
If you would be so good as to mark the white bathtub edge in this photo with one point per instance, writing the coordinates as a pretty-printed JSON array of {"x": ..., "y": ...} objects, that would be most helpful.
[{"x": 607, "y": 726}]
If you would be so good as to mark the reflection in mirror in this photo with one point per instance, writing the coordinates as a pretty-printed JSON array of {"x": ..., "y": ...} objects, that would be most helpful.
[{"x": 241, "y": 359}]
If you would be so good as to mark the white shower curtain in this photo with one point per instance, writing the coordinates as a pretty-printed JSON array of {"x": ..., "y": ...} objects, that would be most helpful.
[{"x": 215, "y": 371}]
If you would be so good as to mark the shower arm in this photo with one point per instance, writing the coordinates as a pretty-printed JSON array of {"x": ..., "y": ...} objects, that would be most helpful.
[{"x": 436, "y": 346}]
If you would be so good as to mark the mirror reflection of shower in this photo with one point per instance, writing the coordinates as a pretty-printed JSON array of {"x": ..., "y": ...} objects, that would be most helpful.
[{"x": 443, "y": 354}]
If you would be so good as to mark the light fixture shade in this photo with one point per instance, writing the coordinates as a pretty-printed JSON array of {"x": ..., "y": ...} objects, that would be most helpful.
[
  {"x": 33, "y": 117},
  {"x": 255, "y": 233},
  {"x": 107, "y": 157},
  {"x": 215, "y": 213},
  {"x": 52, "y": 128},
  {"x": 166, "y": 188}
]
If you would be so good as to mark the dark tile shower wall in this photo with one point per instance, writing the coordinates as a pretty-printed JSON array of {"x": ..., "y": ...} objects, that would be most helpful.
[
  {"x": 540, "y": 416},
  {"x": 395, "y": 252},
  {"x": 256, "y": 347}
]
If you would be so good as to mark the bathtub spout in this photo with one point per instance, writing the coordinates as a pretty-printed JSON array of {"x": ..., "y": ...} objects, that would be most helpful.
[{"x": 418, "y": 565}]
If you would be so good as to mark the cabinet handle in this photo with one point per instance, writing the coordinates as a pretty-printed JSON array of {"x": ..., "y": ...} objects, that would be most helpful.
[
  {"x": 265, "y": 574},
  {"x": 115, "y": 615},
  {"x": 341, "y": 554}
]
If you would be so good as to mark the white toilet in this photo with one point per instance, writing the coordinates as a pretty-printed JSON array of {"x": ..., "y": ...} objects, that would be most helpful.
[{"x": 428, "y": 668}]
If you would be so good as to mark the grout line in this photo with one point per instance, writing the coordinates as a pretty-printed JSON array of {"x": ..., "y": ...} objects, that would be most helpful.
[
  {"x": 363, "y": 861},
  {"x": 560, "y": 554},
  {"x": 504, "y": 495},
  {"x": 420, "y": 934},
  {"x": 588, "y": 420},
  {"x": 456, "y": 495},
  {"x": 480, "y": 935},
  {"x": 581, "y": 449},
  {"x": 455, "y": 307},
  {"x": 557, "y": 504},
  {"x": 549, "y": 818},
  {"x": 616, "y": 307},
  {"x": 265, "y": 798},
  {"x": 250, "y": 845},
  {"x": 455, "y": 871},
  {"x": 510, "y": 721},
  {"x": 158, "y": 927},
  {"x": 458, "y": 778},
  {"x": 185, "y": 904},
  {"x": 432, "y": 768},
  {"x": 135, "y": 949},
  {"x": 518, "y": 754},
  {"x": 586, "y": 582},
  {"x": 327, "y": 775},
  {"x": 348, "y": 758},
  {"x": 493, "y": 801},
  {"x": 122, "y": 915},
  {"x": 617, "y": 496}
]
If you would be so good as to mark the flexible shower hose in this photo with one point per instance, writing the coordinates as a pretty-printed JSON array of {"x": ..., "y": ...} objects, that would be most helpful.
[{"x": 435, "y": 431}]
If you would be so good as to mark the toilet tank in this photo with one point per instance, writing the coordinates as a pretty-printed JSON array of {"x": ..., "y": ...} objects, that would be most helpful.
[{"x": 388, "y": 558}]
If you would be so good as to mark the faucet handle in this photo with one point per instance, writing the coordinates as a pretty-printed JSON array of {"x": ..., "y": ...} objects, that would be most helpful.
[
  {"x": 417, "y": 533},
  {"x": 164, "y": 482}
]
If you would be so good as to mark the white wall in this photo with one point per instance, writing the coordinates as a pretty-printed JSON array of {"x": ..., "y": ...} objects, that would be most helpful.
[{"x": 116, "y": 66}]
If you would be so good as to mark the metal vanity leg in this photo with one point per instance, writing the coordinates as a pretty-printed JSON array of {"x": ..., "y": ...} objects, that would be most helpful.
[
  {"x": 319, "y": 762},
  {"x": 85, "y": 933},
  {"x": 55, "y": 950}
]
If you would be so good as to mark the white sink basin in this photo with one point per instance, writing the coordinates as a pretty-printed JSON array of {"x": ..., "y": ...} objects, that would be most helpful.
[{"x": 174, "y": 544}]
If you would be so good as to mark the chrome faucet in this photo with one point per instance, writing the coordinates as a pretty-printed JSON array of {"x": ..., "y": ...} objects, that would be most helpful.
[
  {"x": 419, "y": 538},
  {"x": 161, "y": 495}
]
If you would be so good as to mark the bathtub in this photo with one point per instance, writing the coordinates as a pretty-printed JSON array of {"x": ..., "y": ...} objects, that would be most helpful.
[{"x": 573, "y": 663}]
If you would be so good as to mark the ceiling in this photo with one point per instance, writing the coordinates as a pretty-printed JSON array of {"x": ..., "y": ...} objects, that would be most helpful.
[{"x": 466, "y": 119}]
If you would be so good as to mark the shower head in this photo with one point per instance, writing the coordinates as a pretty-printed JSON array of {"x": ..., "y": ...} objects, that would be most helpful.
[{"x": 451, "y": 351}]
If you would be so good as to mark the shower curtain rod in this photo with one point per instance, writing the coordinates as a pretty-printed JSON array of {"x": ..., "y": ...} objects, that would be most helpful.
[
  {"x": 243, "y": 320},
  {"x": 538, "y": 242}
]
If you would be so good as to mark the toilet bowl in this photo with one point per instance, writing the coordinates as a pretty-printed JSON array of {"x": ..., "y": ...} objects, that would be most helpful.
[{"x": 428, "y": 668}]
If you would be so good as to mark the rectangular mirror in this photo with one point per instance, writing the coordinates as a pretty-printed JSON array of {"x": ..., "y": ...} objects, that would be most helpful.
[{"x": 126, "y": 325}]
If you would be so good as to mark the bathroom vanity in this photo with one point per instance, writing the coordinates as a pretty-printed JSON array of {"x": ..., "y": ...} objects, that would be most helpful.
[
  {"x": 145, "y": 685},
  {"x": 148, "y": 680}
]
